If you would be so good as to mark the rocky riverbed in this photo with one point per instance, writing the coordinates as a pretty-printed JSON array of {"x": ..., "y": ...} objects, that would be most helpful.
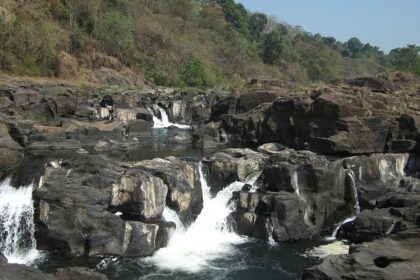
[{"x": 321, "y": 163}]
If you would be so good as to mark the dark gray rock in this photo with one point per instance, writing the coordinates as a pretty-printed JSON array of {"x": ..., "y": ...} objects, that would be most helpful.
[
  {"x": 394, "y": 257},
  {"x": 180, "y": 138},
  {"x": 232, "y": 165},
  {"x": 74, "y": 211},
  {"x": 21, "y": 272},
  {"x": 370, "y": 225},
  {"x": 137, "y": 193},
  {"x": 183, "y": 182},
  {"x": 302, "y": 195},
  {"x": 78, "y": 273}
]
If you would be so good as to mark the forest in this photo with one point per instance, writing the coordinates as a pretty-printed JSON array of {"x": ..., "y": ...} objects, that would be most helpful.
[{"x": 180, "y": 43}]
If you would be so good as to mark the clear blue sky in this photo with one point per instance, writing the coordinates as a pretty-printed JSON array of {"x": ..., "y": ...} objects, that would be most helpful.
[{"x": 387, "y": 24}]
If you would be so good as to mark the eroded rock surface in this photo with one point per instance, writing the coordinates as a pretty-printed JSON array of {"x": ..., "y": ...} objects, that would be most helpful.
[{"x": 92, "y": 206}]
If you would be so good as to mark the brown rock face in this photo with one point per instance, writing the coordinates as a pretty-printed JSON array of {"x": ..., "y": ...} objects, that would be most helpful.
[{"x": 366, "y": 115}]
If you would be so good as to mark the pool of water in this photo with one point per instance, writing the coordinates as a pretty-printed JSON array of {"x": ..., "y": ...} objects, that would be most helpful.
[{"x": 251, "y": 260}]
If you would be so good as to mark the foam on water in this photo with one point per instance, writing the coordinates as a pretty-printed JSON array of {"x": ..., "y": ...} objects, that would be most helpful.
[
  {"x": 333, "y": 236},
  {"x": 164, "y": 122},
  {"x": 17, "y": 228},
  {"x": 207, "y": 239},
  {"x": 336, "y": 248}
]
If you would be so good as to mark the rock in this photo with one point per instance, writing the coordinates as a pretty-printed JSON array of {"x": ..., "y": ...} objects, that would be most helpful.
[
  {"x": 271, "y": 148},
  {"x": 3, "y": 259},
  {"x": 394, "y": 257},
  {"x": 11, "y": 155},
  {"x": 21, "y": 272},
  {"x": 77, "y": 273},
  {"x": 184, "y": 187},
  {"x": 232, "y": 165},
  {"x": 370, "y": 225},
  {"x": 138, "y": 193},
  {"x": 302, "y": 194},
  {"x": 73, "y": 211},
  {"x": 330, "y": 120},
  {"x": 180, "y": 138}
]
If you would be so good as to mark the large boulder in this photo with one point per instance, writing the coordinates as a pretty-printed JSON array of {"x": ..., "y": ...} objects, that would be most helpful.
[
  {"x": 77, "y": 273},
  {"x": 232, "y": 165},
  {"x": 394, "y": 257},
  {"x": 137, "y": 193},
  {"x": 302, "y": 194},
  {"x": 11, "y": 154},
  {"x": 183, "y": 181},
  {"x": 331, "y": 118},
  {"x": 75, "y": 209}
]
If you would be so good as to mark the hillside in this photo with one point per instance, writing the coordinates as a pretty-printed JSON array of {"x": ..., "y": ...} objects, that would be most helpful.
[{"x": 175, "y": 43}]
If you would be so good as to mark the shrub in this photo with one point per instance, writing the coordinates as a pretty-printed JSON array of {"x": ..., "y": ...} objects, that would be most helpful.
[{"x": 194, "y": 74}]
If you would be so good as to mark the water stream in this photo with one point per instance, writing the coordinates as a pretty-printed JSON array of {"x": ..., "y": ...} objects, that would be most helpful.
[
  {"x": 351, "y": 176},
  {"x": 208, "y": 238},
  {"x": 17, "y": 241},
  {"x": 164, "y": 122}
]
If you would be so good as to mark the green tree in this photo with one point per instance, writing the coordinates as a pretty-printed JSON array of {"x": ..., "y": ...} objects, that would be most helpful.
[
  {"x": 236, "y": 15},
  {"x": 116, "y": 35},
  {"x": 257, "y": 23},
  {"x": 272, "y": 48},
  {"x": 353, "y": 46},
  {"x": 406, "y": 59},
  {"x": 194, "y": 73}
]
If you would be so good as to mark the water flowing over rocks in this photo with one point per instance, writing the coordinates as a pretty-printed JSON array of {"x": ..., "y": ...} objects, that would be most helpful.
[
  {"x": 331, "y": 161},
  {"x": 302, "y": 194},
  {"x": 232, "y": 165},
  {"x": 78, "y": 200}
]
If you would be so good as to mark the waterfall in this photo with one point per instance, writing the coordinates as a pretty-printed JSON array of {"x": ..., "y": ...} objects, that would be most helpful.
[
  {"x": 170, "y": 215},
  {"x": 308, "y": 211},
  {"x": 208, "y": 238},
  {"x": 350, "y": 173},
  {"x": 333, "y": 236},
  {"x": 164, "y": 121},
  {"x": 17, "y": 241}
]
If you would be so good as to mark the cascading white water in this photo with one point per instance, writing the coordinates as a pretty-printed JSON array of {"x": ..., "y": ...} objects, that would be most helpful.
[
  {"x": 164, "y": 122},
  {"x": 17, "y": 241},
  {"x": 333, "y": 236},
  {"x": 208, "y": 238},
  {"x": 295, "y": 184},
  {"x": 170, "y": 215},
  {"x": 355, "y": 193}
]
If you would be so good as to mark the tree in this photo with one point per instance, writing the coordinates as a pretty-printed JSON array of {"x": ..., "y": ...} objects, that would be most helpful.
[
  {"x": 116, "y": 35},
  {"x": 406, "y": 59},
  {"x": 272, "y": 48},
  {"x": 194, "y": 74},
  {"x": 354, "y": 46},
  {"x": 257, "y": 23},
  {"x": 236, "y": 15}
]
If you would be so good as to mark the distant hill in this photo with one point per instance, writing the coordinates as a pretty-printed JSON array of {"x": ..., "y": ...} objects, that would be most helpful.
[{"x": 176, "y": 43}]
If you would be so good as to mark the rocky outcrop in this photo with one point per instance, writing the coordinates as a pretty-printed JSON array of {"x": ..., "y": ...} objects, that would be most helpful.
[
  {"x": 232, "y": 165},
  {"x": 183, "y": 183},
  {"x": 11, "y": 153},
  {"x": 92, "y": 206},
  {"x": 373, "y": 224},
  {"x": 330, "y": 120},
  {"x": 302, "y": 195},
  {"x": 76, "y": 273},
  {"x": 394, "y": 257},
  {"x": 137, "y": 193},
  {"x": 22, "y": 272}
]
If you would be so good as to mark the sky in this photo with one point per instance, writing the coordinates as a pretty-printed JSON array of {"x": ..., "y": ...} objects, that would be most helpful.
[{"x": 387, "y": 24}]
